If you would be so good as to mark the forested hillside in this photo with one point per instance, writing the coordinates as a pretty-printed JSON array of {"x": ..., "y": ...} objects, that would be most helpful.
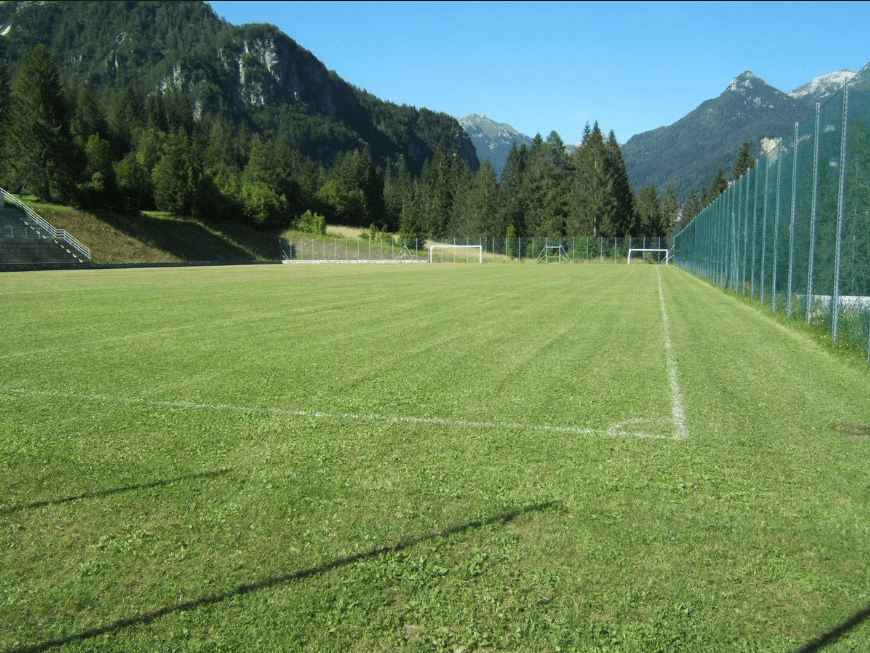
[
  {"x": 162, "y": 105},
  {"x": 689, "y": 152},
  {"x": 253, "y": 76}
]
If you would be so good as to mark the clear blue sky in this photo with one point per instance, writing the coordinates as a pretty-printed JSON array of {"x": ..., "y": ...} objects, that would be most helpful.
[{"x": 543, "y": 66}]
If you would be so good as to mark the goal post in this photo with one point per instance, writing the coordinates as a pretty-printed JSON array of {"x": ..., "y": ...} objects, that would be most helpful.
[
  {"x": 666, "y": 252},
  {"x": 451, "y": 251}
]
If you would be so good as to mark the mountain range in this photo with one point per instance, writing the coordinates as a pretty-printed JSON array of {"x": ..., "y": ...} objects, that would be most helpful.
[
  {"x": 493, "y": 140},
  {"x": 259, "y": 78},
  {"x": 253, "y": 75},
  {"x": 688, "y": 152}
]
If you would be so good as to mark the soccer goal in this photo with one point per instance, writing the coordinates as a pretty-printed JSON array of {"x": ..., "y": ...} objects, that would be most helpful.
[
  {"x": 666, "y": 252},
  {"x": 455, "y": 253},
  {"x": 554, "y": 254}
]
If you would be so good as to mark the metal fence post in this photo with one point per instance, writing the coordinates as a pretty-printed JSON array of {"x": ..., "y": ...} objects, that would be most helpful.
[
  {"x": 841, "y": 208},
  {"x": 814, "y": 215},
  {"x": 791, "y": 252}
]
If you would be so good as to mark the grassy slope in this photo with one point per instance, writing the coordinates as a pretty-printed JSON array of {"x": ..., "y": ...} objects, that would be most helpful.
[
  {"x": 153, "y": 496},
  {"x": 155, "y": 237},
  {"x": 158, "y": 237}
]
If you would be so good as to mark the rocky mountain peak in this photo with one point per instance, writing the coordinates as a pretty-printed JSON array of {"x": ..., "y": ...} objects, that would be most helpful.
[
  {"x": 492, "y": 140},
  {"x": 744, "y": 82},
  {"x": 822, "y": 87}
]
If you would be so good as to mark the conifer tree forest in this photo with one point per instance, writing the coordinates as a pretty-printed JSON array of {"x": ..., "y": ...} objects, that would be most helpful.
[{"x": 127, "y": 150}]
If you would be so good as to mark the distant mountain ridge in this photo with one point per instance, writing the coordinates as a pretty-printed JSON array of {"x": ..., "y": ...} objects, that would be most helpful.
[
  {"x": 688, "y": 152},
  {"x": 492, "y": 140}
]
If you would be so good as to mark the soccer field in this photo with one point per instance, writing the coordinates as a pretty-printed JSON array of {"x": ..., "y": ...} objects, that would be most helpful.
[{"x": 383, "y": 458}]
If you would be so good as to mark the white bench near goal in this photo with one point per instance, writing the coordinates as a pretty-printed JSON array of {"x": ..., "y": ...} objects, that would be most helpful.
[{"x": 667, "y": 253}]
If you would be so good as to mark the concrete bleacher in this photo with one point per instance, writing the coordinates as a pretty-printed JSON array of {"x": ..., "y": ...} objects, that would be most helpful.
[{"x": 24, "y": 245}]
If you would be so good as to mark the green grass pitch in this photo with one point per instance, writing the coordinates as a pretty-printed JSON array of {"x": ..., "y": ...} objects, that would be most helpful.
[{"x": 424, "y": 458}]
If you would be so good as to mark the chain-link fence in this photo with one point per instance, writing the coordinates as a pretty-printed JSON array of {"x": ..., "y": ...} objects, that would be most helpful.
[
  {"x": 794, "y": 232},
  {"x": 527, "y": 249}
]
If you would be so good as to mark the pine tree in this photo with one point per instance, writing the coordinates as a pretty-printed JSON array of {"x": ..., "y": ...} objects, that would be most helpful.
[
  {"x": 719, "y": 184},
  {"x": 464, "y": 216},
  {"x": 412, "y": 223},
  {"x": 593, "y": 207},
  {"x": 398, "y": 195},
  {"x": 671, "y": 210},
  {"x": 693, "y": 206},
  {"x": 358, "y": 190},
  {"x": 437, "y": 190},
  {"x": 126, "y": 115},
  {"x": 543, "y": 194},
  {"x": 133, "y": 183},
  {"x": 220, "y": 151},
  {"x": 650, "y": 214},
  {"x": 179, "y": 111},
  {"x": 475, "y": 213},
  {"x": 259, "y": 168},
  {"x": 39, "y": 139},
  {"x": 155, "y": 111},
  {"x": 88, "y": 116},
  {"x": 177, "y": 178},
  {"x": 512, "y": 204},
  {"x": 624, "y": 218},
  {"x": 745, "y": 160}
]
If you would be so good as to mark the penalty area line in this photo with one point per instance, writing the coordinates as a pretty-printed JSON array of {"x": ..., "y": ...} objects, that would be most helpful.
[
  {"x": 619, "y": 429},
  {"x": 676, "y": 393}
]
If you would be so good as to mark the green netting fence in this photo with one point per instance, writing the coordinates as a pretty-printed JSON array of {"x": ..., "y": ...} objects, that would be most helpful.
[
  {"x": 526, "y": 249},
  {"x": 793, "y": 232}
]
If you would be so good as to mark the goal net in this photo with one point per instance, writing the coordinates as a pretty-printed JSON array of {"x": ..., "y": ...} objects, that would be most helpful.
[
  {"x": 455, "y": 253},
  {"x": 662, "y": 254}
]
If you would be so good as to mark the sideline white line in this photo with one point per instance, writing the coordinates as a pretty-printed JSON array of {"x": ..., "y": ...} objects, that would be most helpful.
[
  {"x": 676, "y": 394},
  {"x": 618, "y": 429}
]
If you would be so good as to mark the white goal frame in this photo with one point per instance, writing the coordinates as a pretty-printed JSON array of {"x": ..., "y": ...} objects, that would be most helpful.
[
  {"x": 557, "y": 252},
  {"x": 644, "y": 249},
  {"x": 479, "y": 249}
]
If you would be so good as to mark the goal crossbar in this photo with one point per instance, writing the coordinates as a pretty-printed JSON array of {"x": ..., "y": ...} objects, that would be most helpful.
[
  {"x": 644, "y": 249},
  {"x": 479, "y": 249}
]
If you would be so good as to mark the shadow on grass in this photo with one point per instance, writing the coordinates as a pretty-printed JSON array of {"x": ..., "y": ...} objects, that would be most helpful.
[
  {"x": 105, "y": 493},
  {"x": 241, "y": 590},
  {"x": 836, "y": 633}
]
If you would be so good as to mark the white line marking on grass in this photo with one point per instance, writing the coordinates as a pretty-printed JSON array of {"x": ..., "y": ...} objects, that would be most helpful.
[
  {"x": 676, "y": 394},
  {"x": 618, "y": 429}
]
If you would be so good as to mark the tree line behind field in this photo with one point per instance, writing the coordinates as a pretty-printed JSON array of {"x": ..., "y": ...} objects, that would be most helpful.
[{"x": 128, "y": 151}]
